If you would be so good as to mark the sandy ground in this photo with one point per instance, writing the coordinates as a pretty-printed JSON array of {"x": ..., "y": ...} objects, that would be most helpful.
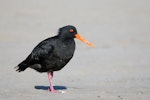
[{"x": 118, "y": 68}]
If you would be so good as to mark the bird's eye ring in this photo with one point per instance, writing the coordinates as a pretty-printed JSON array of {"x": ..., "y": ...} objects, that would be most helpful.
[{"x": 71, "y": 30}]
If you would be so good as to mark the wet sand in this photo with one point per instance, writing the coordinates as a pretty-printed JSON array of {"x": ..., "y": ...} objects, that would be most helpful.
[{"x": 117, "y": 68}]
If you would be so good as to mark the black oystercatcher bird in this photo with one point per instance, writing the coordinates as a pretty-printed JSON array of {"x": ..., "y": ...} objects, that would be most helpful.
[{"x": 53, "y": 54}]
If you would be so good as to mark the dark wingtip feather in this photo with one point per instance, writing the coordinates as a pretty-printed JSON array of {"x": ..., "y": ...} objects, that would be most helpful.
[{"x": 18, "y": 69}]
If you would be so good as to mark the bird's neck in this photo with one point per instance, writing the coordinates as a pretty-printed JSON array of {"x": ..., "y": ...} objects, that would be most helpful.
[{"x": 63, "y": 39}]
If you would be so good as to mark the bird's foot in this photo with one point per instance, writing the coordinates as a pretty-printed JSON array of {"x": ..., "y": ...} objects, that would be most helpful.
[{"x": 56, "y": 91}]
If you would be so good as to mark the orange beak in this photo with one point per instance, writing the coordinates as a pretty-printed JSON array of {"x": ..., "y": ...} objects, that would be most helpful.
[{"x": 84, "y": 40}]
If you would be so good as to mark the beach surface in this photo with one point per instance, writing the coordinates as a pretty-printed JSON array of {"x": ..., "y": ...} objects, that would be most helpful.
[{"x": 117, "y": 68}]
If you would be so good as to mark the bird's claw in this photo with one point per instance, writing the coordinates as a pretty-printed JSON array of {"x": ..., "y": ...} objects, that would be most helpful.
[{"x": 56, "y": 91}]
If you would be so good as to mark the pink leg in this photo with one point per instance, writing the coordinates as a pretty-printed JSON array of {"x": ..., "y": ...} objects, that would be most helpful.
[{"x": 51, "y": 88}]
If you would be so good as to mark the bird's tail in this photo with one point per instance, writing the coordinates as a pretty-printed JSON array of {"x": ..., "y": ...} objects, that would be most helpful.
[{"x": 22, "y": 66}]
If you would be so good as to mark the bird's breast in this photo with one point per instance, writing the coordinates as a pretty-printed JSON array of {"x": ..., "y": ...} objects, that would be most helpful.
[{"x": 65, "y": 50}]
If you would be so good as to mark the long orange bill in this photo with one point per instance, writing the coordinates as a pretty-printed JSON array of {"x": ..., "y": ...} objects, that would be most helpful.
[{"x": 84, "y": 40}]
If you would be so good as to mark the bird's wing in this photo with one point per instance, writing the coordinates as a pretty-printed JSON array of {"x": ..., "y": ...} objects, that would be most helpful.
[{"x": 41, "y": 51}]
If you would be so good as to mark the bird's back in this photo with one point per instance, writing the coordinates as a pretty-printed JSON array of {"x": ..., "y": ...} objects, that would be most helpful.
[{"x": 56, "y": 54}]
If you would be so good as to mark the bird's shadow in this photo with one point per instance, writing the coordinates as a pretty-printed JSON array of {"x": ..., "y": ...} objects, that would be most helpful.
[{"x": 41, "y": 87}]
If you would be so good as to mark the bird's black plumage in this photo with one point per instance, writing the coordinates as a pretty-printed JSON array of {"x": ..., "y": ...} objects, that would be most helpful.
[{"x": 53, "y": 53}]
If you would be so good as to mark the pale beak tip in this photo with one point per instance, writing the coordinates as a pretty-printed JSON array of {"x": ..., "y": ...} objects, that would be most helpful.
[{"x": 91, "y": 45}]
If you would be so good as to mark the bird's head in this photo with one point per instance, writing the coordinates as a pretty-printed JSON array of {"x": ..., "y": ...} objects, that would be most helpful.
[{"x": 70, "y": 32}]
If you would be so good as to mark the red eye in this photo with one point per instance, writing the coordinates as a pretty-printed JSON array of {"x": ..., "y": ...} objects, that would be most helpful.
[{"x": 71, "y": 30}]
